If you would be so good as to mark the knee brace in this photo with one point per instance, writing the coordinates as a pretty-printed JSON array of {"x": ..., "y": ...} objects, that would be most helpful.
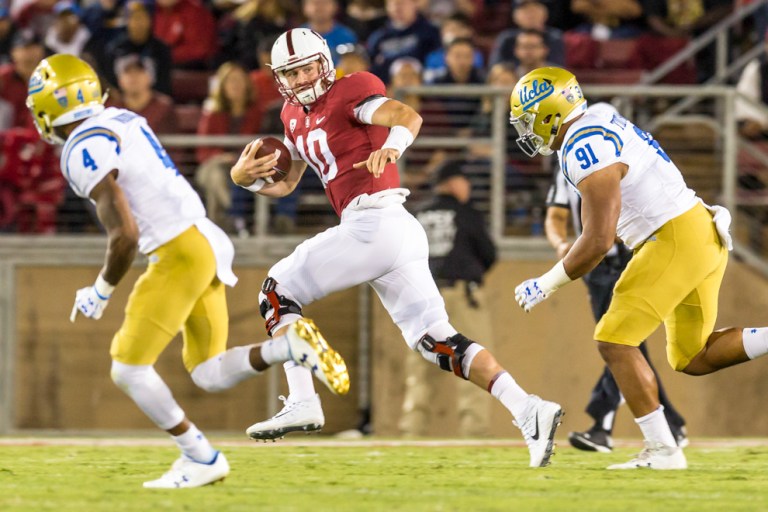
[
  {"x": 280, "y": 305},
  {"x": 455, "y": 354}
]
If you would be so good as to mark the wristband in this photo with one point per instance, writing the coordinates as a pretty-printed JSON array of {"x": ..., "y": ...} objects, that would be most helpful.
[
  {"x": 256, "y": 185},
  {"x": 554, "y": 278},
  {"x": 399, "y": 139},
  {"x": 103, "y": 289}
]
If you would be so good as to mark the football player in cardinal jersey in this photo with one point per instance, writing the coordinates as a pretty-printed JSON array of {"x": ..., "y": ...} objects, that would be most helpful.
[{"x": 351, "y": 135}]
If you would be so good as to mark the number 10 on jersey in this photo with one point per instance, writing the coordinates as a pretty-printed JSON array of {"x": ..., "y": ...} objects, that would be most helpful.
[{"x": 322, "y": 161}]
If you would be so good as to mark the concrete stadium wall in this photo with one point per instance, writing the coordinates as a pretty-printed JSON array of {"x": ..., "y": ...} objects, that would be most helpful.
[{"x": 62, "y": 370}]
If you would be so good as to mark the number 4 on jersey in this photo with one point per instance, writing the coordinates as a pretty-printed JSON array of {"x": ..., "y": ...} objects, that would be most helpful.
[{"x": 88, "y": 161}]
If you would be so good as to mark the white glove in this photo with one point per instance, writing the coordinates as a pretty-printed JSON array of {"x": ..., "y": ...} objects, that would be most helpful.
[
  {"x": 531, "y": 292},
  {"x": 92, "y": 300}
]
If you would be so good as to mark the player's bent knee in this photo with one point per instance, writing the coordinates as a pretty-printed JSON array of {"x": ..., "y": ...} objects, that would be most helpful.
[
  {"x": 208, "y": 376},
  {"x": 127, "y": 376},
  {"x": 454, "y": 354},
  {"x": 277, "y": 305}
]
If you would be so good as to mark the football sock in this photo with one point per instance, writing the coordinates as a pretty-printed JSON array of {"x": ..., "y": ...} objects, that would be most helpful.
[
  {"x": 225, "y": 370},
  {"x": 504, "y": 388},
  {"x": 195, "y": 445},
  {"x": 755, "y": 341},
  {"x": 655, "y": 428},
  {"x": 300, "y": 385},
  {"x": 607, "y": 423},
  {"x": 276, "y": 350}
]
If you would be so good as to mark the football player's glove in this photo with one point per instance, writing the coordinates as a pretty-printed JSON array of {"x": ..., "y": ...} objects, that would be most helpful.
[{"x": 92, "y": 300}]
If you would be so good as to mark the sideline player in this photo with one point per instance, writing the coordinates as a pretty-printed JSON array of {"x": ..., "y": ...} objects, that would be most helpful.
[
  {"x": 340, "y": 128},
  {"x": 629, "y": 187},
  {"x": 113, "y": 158}
]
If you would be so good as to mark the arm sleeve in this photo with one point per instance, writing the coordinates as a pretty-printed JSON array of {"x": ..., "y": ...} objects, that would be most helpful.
[
  {"x": 359, "y": 87},
  {"x": 88, "y": 161}
]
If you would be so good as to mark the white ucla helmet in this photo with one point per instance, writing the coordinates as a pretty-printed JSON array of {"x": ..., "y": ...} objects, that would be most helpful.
[{"x": 294, "y": 49}]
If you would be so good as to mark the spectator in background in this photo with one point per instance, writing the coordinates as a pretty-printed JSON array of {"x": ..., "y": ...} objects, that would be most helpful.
[
  {"x": 365, "y": 17},
  {"x": 406, "y": 34},
  {"x": 352, "y": 59},
  {"x": 136, "y": 77},
  {"x": 753, "y": 83},
  {"x": 609, "y": 19},
  {"x": 7, "y": 31},
  {"x": 460, "y": 253},
  {"x": 685, "y": 20},
  {"x": 263, "y": 82},
  {"x": 461, "y": 70},
  {"x": 27, "y": 51},
  {"x": 231, "y": 109},
  {"x": 67, "y": 34},
  {"x": 34, "y": 15},
  {"x": 138, "y": 40},
  {"x": 453, "y": 27},
  {"x": 256, "y": 21},
  {"x": 104, "y": 19},
  {"x": 321, "y": 17},
  {"x": 528, "y": 15},
  {"x": 531, "y": 51},
  {"x": 189, "y": 29},
  {"x": 438, "y": 11}
]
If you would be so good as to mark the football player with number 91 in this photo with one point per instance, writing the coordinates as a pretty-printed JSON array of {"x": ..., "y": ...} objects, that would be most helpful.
[
  {"x": 630, "y": 188},
  {"x": 351, "y": 135}
]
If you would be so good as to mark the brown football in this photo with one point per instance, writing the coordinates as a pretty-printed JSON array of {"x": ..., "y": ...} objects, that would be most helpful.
[{"x": 268, "y": 146}]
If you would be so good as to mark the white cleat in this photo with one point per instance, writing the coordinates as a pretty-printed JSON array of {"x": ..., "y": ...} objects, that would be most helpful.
[
  {"x": 309, "y": 349},
  {"x": 656, "y": 456},
  {"x": 538, "y": 427},
  {"x": 299, "y": 416},
  {"x": 186, "y": 472}
]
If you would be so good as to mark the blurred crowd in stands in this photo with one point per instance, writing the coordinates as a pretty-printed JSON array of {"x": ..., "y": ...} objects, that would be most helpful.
[{"x": 201, "y": 67}]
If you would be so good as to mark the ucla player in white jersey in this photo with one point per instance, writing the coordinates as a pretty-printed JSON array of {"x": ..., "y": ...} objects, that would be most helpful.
[
  {"x": 631, "y": 189},
  {"x": 113, "y": 158}
]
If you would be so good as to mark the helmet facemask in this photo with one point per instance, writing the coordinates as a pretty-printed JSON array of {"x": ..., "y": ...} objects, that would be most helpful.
[
  {"x": 529, "y": 141},
  {"x": 306, "y": 93},
  {"x": 542, "y": 102}
]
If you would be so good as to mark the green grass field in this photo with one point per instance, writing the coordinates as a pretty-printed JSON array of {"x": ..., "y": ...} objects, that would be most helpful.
[{"x": 319, "y": 474}]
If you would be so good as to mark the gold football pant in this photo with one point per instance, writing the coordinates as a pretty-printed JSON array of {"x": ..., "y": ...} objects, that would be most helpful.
[
  {"x": 179, "y": 291},
  {"x": 674, "y": 277}
]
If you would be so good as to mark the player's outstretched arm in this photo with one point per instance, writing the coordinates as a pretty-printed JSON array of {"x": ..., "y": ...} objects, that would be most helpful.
[
  {"x": 404, "y": 124},
  {"x": 123, "y": 237},
  {"x": 115, "y": 215},
  {"x": 248, "y": 170},
  {"x": 600, "y": 208}
]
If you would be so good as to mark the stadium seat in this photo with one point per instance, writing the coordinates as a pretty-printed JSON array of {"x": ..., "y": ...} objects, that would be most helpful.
[
  {"x": 187, "y": 118},
  {"x": 189, "y": 86},
  {"x": 608, "y": 76},
  {"x": 616, "y": 54}
]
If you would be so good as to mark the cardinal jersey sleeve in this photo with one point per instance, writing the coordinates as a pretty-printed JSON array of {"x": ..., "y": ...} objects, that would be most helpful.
[
  {"x": 358, "y": 87},
  {"x": 588, "y": 150},
  {"x": 89, "y": 157}
]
